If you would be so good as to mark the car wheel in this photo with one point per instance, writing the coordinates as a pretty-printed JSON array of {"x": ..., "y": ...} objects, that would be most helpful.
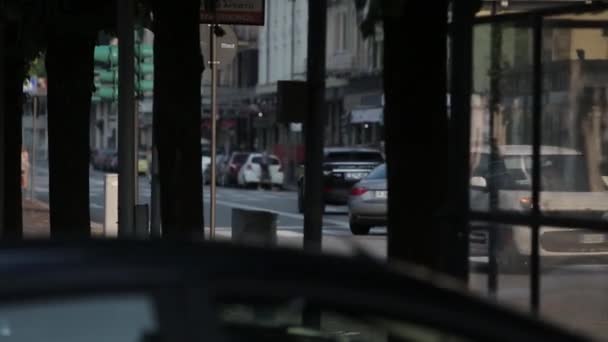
[{"x": 359, "y": 229}]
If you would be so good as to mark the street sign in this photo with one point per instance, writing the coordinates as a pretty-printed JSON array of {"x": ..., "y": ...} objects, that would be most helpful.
[
  {"x": 226, "y": 45},
  {"x": 234, "y": 12}
]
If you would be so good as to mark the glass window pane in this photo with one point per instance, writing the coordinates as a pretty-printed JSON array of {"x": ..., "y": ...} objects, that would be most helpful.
[
  {"x": 119, "y": 319},
  {"x": 501, "y": 117},
  {"x": 575, "y": 279},
  {"x": 512, "y": 252},
  {"x": 575, "y": 116}
]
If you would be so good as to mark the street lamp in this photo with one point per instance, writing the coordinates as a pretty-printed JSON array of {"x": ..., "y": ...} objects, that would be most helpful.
[{"x": 260, "y": 114}]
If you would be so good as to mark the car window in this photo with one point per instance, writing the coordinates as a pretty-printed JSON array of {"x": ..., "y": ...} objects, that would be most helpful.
[
  {"x": 116, "y": 319},
  {"x": 336, "y": 157},
  {"x": 240, "y": 158},
  {"x": 378, "y": 173},
  {"x": 258, "y": 160},
  {"x": 515, "y": 172}
]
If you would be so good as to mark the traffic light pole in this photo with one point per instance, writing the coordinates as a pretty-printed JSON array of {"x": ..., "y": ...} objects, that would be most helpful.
[
  {"x": 126, "y": 120},
  {"x": 213, "y": 64}
]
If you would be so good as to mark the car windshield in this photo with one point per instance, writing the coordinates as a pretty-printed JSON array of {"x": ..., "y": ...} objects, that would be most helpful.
[
  {"x": 258, "y": 160},
  {"x": 378, "y": 173},
  {"x": 515, "y": 173},
  {"x": 354, "y": 156},
  {"x": 240, "y": 158}
]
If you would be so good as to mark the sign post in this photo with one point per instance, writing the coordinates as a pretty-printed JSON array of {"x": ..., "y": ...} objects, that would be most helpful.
[
  {"x": 213, "y": 63},
  {"x": 213, "y": 13}
]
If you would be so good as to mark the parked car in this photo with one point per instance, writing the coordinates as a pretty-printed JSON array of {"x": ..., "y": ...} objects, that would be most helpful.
[
  {"x": 100, "y": 159},
  {"x": 565, "y": 191},
  {"x": 112, "y": 162},
  {"x": 342, "y": 168},
  {"x": 159, "y": 291},
  {"x": 229, "y": 174},
  {"x": 367, "y": 204},
  {"x": 251, "y": 171}
]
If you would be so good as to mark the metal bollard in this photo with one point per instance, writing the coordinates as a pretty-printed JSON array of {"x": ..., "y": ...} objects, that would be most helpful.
[
  {"x": 110, "y": 222},
  {"x": 254, "y": 227}
]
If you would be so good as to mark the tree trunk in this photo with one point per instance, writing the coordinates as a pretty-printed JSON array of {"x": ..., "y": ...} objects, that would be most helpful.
[
  {"x": 14, "y": 71},
  {"x": 177, "y": 116},
  {"x": 416, "y": 130},
  {"x": 69, "y": 63}
]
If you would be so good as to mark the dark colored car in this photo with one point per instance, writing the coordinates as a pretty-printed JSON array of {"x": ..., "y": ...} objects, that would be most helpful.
[
  {"x": 342, "y": 168},
  {"x": 170, "y": 291},
  {"x": 230, "y": 172},
  {"x": 102, "y": 159}
]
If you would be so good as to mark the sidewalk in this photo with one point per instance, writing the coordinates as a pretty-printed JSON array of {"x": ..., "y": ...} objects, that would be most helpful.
[{"x": 36, "y": 221}]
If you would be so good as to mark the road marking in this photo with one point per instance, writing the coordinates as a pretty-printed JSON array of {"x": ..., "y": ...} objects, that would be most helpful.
[
  {"x": 227, "y": 231},
  {"x": 479, "y": 259},
  {"x": 280, "y": 213}
]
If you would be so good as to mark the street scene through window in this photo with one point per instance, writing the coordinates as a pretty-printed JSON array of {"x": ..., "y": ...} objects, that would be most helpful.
[{"x": 303, "y": 170}]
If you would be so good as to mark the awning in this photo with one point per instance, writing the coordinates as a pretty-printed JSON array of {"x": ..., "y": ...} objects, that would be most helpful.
[{"x": 367, "y": 115}]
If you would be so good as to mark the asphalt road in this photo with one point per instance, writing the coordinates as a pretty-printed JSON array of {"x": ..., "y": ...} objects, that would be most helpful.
[
  {"x": 336, "y": 234},
  {"x": 574, "y": 296}
]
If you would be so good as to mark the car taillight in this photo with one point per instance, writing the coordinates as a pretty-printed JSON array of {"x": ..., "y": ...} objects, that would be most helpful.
[
  {"x": 358, "y": 191},
  {"x": 526, "y": 203}
]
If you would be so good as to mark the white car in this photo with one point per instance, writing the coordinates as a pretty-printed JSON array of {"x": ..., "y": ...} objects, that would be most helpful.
[
  {"x": 251, "y": 171},
  {"x": 567, "y": 189}
]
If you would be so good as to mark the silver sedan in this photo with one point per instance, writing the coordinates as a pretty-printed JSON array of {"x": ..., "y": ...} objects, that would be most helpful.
[{"x": 367, "y": 202}]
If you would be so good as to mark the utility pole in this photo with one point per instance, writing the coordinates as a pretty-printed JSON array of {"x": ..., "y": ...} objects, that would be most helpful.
[
  {"x": 126, "y": 120},
  {"x": 313, "y": 125}
]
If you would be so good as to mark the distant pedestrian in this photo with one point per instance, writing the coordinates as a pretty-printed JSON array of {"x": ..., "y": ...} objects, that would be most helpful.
[{"x": 25, "y": 168}]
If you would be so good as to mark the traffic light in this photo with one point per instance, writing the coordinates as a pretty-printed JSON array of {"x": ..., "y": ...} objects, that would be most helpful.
[
  {"x": 106, "y": 71},
  {"x": 144, "y": 69}
]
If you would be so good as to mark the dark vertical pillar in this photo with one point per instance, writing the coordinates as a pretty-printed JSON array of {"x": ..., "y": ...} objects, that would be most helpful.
[
  {"x": 13, "y": 65},
  {"x": 127, "y": 137},
  {"x": 455, "y": 242},
  {"x": 178, "y": 65},
  {"x": 313, "y": 125},
  {"x": 69, "y": 64},
  {"x": 416, "y": 128},
  {"x": 2, "y": 120}
]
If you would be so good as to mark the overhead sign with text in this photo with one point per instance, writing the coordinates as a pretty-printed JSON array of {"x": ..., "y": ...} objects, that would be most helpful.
[{"x": 233, "y": 12}]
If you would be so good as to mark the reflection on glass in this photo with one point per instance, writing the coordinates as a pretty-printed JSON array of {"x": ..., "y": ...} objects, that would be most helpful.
[
  {"x": 284, "y": 323},
  {"x": 501, "y": 116},
  {"x": 575, "y": 116},
  {"x": 575, "y": 279}
]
